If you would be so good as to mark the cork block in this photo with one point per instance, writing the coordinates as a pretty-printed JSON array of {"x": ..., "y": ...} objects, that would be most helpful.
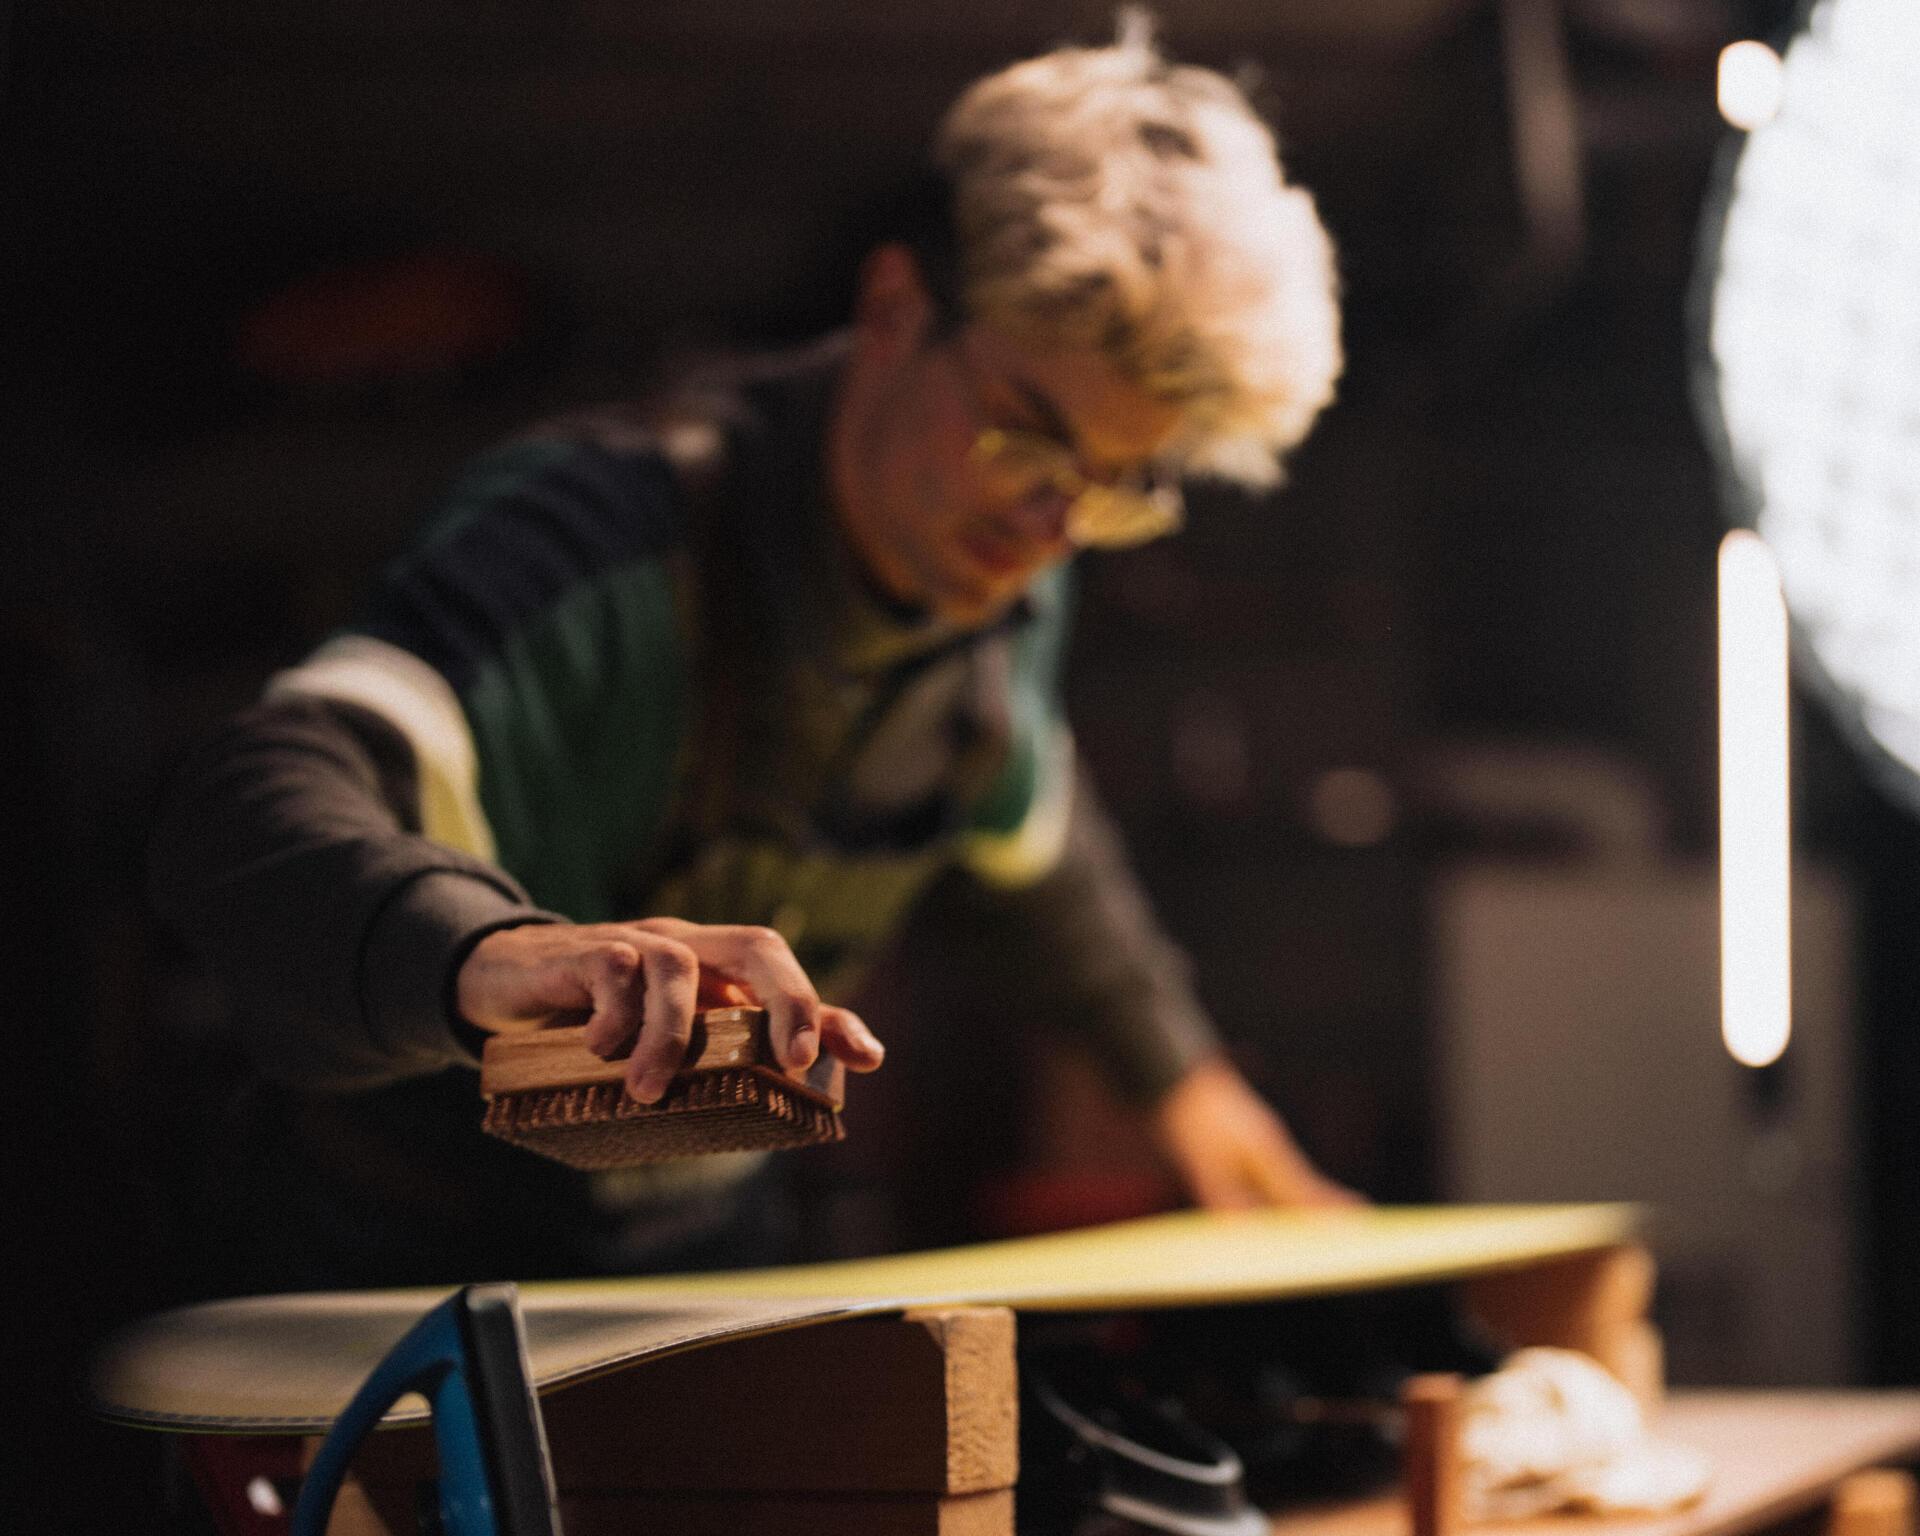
[{"x": 909, "y": 1420}]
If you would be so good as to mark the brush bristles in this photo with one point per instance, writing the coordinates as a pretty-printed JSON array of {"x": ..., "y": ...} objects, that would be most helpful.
[{"x": 598, "y": 1126}]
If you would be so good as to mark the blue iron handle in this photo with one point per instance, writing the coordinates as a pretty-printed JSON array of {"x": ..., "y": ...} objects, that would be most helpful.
[{"x": 468, "y": 1358}]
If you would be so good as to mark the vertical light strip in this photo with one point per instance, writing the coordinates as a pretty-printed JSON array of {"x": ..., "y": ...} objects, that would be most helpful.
[{"x": 1755, "y": 869}]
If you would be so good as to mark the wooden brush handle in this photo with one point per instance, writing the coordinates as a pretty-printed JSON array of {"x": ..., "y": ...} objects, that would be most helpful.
[{"x": 723, "y": 1039}]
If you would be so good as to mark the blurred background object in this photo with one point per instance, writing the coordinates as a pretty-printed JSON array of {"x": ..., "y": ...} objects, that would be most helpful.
[
  {"x": 1806, "y": 322},
  {"x": 1810, "y": 367},
  {"x": 1577, "y": 1009},
  {"x": 418, "y": 315}
]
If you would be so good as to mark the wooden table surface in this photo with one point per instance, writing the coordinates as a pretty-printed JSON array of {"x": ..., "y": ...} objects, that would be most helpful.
[{"x": 1775, "y": 1455}]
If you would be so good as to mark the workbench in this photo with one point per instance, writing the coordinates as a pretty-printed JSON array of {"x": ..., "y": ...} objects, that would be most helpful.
[
  {"x": 879, "y": 1397},
  {"x": 1778, "y": 1458}
]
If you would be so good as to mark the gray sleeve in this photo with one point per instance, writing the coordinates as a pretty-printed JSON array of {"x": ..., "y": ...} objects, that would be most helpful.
[
  {"x": 1082, "y": 948},
  {"x": 289, "y": 857}
]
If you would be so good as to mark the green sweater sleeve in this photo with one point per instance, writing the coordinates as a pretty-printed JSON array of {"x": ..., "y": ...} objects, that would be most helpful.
[{"x": 1083, "y": 951}]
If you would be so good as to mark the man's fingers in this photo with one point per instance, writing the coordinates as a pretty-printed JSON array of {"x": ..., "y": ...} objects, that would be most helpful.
[
  {"x": 716, "y": 991},
  {"x": 522, "y": 978},
  {"x": 846, "y": 1036},
  {"x": 670, "y": 990},
  {"x": 760, "y": 959},
  {"x": 1219, "y": 1184},
  {"x": 641, "y": 982},
  {"x": 1234, "y": 1195},
  {"x": 608, "y": 972}
]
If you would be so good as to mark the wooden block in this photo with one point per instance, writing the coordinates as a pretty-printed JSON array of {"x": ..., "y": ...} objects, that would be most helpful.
[
  {"x": 1879, "y": 1502},
  {"x": 667, "y": 1514},
  {"x": 1594, "y": 1302},
  {"x": 1432, "y": 1453},
  {"x": 559, "y": 1058},
  {"x": 924, "y": 1402},
  {"x": 362, "y": 1511},
  {"x": 357, "y": 1512}
]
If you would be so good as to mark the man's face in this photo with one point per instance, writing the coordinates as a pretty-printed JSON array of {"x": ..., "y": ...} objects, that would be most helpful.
[{"x": 945, "y": 525}]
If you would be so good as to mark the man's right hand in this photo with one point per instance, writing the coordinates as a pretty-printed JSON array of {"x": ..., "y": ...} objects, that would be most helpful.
[{"x": 640, "y": 982}]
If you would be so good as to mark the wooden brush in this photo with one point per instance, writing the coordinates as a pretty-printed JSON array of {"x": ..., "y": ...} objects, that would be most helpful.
[{"x": 547, "y": 1092}]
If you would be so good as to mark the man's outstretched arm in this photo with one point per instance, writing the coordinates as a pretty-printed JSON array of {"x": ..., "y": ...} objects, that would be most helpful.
[
  {"x": 360, "y": 952},
  {"x": 1090, "y": 954}
]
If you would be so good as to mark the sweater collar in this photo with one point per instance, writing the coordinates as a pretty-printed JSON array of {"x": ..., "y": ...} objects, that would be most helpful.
[{"x": 846, "y": 619}]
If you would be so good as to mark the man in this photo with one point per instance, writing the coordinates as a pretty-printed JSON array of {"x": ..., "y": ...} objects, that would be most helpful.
[{"x": 704, "y": 692}]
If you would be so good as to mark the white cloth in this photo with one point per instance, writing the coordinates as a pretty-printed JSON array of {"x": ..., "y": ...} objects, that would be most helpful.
[{"x": 1552, "y": 1430}]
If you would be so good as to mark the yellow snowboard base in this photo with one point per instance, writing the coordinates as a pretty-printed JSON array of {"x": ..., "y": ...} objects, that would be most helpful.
[{"x": 289, "y": 1364}]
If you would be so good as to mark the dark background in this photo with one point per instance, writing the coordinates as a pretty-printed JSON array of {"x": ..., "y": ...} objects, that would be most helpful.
[{"x": 1503, "y": 530}]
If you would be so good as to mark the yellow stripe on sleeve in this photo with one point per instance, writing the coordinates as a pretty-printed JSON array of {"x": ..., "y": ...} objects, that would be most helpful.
[
  {"x": 1027, "y": 852},
  {"x": 419, "y": 703}
]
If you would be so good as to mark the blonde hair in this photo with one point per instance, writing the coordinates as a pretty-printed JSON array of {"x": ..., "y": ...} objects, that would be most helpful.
[{"x": 1103, "y": 197}]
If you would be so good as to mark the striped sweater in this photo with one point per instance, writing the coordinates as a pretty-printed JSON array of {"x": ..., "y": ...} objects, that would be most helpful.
[{"x": 629, "y": 669}]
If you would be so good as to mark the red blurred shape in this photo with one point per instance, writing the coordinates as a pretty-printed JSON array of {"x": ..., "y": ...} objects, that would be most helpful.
[
  {"x": 430, "y": 311},
  {"x": 224, "y": 1465},
  {"x": 1038, "y": 1200}
]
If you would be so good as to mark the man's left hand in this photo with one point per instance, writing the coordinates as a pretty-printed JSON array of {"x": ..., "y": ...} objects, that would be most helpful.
[{"x": 1232, "y": 1151}]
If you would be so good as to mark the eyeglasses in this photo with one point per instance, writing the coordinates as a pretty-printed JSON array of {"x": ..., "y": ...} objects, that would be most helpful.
[{"x": 1139, "y": 506}]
